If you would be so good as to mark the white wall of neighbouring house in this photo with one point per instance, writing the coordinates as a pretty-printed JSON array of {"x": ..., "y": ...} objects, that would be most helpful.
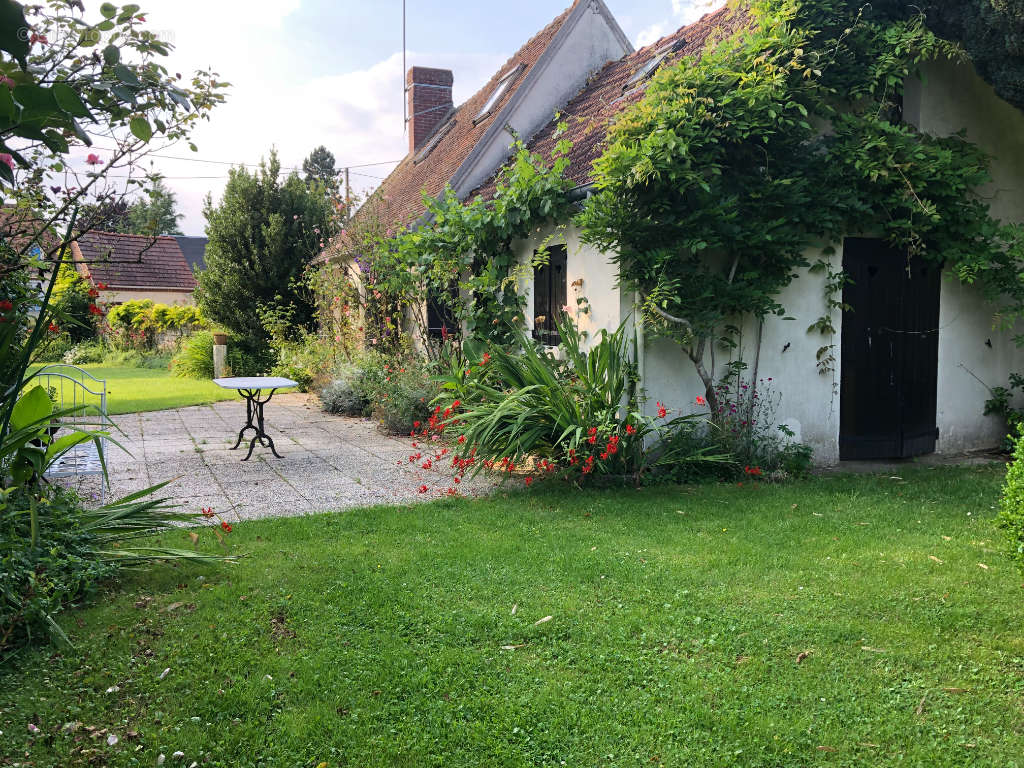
[
  {"x": 156, "y": 295},
  {"x": 950, "y": 98}
]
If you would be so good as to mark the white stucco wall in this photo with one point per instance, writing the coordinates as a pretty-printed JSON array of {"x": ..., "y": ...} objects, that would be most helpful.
[
  {"x": 950, "y": 98},
  {"x": 156, "y": 295}
]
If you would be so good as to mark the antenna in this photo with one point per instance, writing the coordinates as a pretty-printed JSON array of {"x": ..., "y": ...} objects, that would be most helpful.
[{"x": 405, "y": 88}]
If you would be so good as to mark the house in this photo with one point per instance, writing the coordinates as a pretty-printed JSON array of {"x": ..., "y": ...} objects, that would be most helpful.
[
  {"x": 902, "y": 383},
  {"x": 134, "y": 267},
  {"x": 194, "y": 249}
]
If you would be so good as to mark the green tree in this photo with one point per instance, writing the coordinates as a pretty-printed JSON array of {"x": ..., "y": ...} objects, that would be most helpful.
[
  {"x": 319, "y": 166},
  {"x": 262, "y": 236},
  {"x": 155, "y": 214}
]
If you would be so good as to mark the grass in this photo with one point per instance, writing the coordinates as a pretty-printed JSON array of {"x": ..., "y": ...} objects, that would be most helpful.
[
  {"x": 839, "y": 621},
  {"x": 130, "y": 390}
]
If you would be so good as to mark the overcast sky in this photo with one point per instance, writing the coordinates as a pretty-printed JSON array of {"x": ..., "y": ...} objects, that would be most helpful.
[{"x": 310, "y": 72}]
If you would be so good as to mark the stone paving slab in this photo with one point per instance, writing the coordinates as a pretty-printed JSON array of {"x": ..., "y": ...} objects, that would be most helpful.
[{"x": 328, "y": 462}]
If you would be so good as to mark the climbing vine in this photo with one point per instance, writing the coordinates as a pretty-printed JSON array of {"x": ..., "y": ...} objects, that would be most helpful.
[
  {"x": 463, "y": 257},
  {"x": 782, "y": 138}
]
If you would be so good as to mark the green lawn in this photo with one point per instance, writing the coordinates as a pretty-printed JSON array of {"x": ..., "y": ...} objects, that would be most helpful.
[
  {"x": 130, "y": 390},
  {"x": 843, "y": 621}
]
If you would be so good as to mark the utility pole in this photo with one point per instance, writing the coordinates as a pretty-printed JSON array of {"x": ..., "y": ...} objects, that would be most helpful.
[{"x": 348, "y": 197}]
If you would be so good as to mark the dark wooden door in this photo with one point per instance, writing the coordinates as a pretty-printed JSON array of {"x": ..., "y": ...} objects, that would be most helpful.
[{"x": 890, "y": 353}]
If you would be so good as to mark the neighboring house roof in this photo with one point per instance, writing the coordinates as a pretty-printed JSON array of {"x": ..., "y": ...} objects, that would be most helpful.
[
  {"x": 455, "y": 141},
  {"x": 133, "y": 261},
  {"x": 20, "y": 226},
  {"x": 591, "y": 112},
  {"x": 194, "y": 249}
]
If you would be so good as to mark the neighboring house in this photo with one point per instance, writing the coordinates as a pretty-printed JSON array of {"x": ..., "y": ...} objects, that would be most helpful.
[
  {"x": 902, "y": 384},
  {"x": 194, "y": 249},
  {"x": 134, "y": 267}
]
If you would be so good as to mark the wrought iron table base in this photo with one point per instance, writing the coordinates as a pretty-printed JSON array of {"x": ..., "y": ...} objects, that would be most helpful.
[{"x": 254, "y": 409}]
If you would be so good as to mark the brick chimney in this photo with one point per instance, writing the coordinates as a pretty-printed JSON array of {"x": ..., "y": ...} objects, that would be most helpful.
[{"x": 429, "y": 94}]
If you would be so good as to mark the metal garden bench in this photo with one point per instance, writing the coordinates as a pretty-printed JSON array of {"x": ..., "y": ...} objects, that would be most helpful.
[{"x": 72, "y": 387}]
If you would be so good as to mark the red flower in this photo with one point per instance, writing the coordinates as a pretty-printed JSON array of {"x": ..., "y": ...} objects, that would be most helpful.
[
  {"x": 457, "y": 479},
  {"x": 416, "y": 424},
  {"x": 226, "y": 527},
  {"x": 661, "y": 411},
  {"x": 452, "y": 491},
  {"x": 486, "y": 360},
  {"x": 427, "y": 464},
  {"x": 93, "y": 293},
  {"x": 592, "y": 431},
  {"x": 101, "y": 286},
  {"x": 94, "y": 310},
  {"x": 423, "y": 489},
  {"x": 462, "y": 439},
  {"x": 528, "y": 481},
  {"x": 630, "y": 429},
  {"x": 6, "y": 306},
  {"x": 53, "y": 328},
  {"x": 207, "y": 511},
  {"x": 456, "y": 404},
  {"x": 93, "y": 159},
  {"x": 701, "y": 400}
]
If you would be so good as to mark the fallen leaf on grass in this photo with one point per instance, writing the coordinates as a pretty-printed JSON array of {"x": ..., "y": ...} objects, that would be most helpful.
[
  {"x": 742, "y": 659},
  {"x": 824, "y": 748},
  {"x": 955, "y": 690},
  {"x": 933, "y": 557},
  {"x": 541, "y": 621},
  {"x": 872, "y": 650},
  {"x": 173, "y": 607},
  {"x": 803, "y": 655},
  {"x": 947, "y": 538},
  {"x": 512, "y": 647},
  {"x": 983, "y": 566},
  {"x": 514, "y": 608},
  {"x": 920, "y": 705},
  {"x": 112, "y": 740},
  {"x": 164, "y": 674}
]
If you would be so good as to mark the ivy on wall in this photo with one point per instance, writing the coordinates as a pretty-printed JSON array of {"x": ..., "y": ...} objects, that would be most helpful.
[{"x": 784, "y": 137}]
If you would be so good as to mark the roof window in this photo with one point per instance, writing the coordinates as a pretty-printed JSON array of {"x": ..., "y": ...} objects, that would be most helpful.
[
  {"x": 439, "y": 134},
  {"x": 498, "y": 92}
]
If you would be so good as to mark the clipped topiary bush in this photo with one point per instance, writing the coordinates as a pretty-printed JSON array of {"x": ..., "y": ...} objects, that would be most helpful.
[{"x": 1011, "y": 505}]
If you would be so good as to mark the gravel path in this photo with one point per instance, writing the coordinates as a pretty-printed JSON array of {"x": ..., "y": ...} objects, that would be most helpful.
[{"x": 328, "y": 462}]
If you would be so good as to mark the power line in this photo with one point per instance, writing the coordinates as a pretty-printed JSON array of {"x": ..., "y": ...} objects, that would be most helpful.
[{"x": 252, "y": 165}]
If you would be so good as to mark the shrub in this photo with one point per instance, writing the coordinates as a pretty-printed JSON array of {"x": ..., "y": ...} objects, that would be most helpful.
[
  {"x": 73, "y": 304},
  {"x": 341, "y": 397},
  {"x": 38, "y": 580},
  {"x": 195, "y": 358},
  {"x": 86, "y": 353},
  {"x": 1011, "y": 504},
  {"x": 305, "y": 360},
  {"x": 581, "y": 416},
  {"x": 746, "y": 428}
]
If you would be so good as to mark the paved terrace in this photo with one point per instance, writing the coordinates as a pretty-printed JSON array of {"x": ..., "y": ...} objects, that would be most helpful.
[{"x": 328, "y": 462}]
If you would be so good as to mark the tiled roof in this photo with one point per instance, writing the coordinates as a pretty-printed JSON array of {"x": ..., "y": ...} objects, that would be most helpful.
[
  {"x": 133, "y": 261},
  {"x": 398, "y": 200},
  {"x": 590, "y": 113}
]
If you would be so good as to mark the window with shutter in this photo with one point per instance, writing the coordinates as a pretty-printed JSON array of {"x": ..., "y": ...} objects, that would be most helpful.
[{"x": 550, "y": 293}]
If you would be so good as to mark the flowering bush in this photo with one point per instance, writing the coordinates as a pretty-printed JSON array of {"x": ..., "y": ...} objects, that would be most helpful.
[
  {"x": 746, "y": 428},
  {"x": 520, "y": 408}
]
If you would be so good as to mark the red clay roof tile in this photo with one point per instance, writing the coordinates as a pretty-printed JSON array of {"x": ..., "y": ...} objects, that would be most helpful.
[{"x": 133, "y": 261}]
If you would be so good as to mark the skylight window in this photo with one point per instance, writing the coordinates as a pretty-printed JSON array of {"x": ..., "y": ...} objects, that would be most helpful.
[
  {"x": 648, "y": 69},
  {"x": 434, "y": 140},
  {"x": 497, "y": 93}
]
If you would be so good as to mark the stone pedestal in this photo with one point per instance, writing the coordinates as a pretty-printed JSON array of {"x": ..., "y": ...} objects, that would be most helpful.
[{"x": 220, "y": 357}]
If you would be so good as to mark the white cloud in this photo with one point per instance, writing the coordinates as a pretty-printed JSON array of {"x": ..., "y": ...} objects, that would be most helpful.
[
  {"x": 683, "y": 12},
  {"x": 273, "y": 102}
]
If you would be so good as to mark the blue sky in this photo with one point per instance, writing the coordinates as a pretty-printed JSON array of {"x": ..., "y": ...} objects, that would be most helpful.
[{"x": 309, "y": 72}]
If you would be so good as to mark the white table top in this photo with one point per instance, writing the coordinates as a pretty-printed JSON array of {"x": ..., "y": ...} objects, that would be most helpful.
[{"x": 255, "y": 382}]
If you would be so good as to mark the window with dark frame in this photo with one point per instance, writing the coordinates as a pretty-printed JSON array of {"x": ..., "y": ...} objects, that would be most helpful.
[
  {"x": 441, "y": 320},
  {"x": 550, "y": 294}
]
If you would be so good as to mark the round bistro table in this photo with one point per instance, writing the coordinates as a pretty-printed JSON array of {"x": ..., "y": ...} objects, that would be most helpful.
[{"x": 251, "y": 387}]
